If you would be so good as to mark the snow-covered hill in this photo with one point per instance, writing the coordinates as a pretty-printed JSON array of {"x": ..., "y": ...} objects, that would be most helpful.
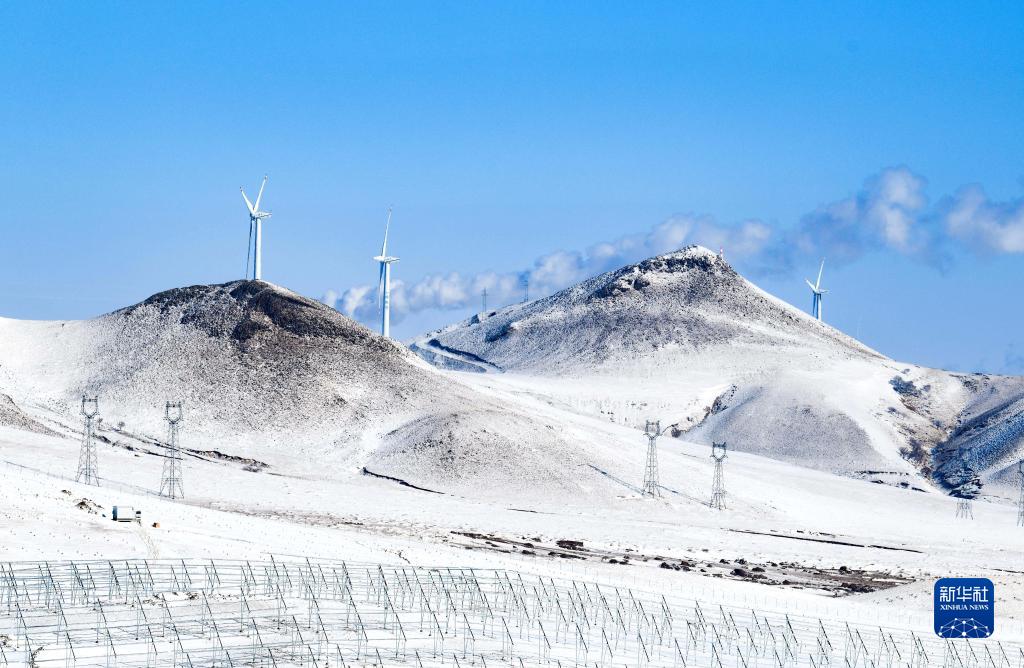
[
  {"x": 684, "y": 338},
  {"x": 536, "y": 469},
  {"x": 270, "y": 376},
  {"x": 683, "y": 303}
]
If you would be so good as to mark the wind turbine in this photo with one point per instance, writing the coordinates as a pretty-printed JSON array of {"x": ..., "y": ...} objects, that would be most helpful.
[
  {"x": 384, "y": 284},
  {"x": 817, "y": 292},
  {"x": 255, "y": 222}
]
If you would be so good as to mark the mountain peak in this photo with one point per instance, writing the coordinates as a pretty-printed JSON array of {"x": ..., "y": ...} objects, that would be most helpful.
[
  {"x": 247, "y": 309},
  {"x": 660, "y": 268}
]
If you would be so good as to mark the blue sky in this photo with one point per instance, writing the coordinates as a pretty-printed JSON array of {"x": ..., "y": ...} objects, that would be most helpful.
[{"x": 503, "y": 134}]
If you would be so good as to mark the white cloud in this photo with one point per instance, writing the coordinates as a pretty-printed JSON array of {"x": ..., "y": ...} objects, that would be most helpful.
[
  {"x": 885, "y": 213},
  {"x": 893, "y": 202},
  {"x": 988, "y": 226},
  {"x": 890, "y": 211},
  {"x": 355, "y": 299},
  {"x": 554, "y": 271},
  {"x": 330, "y": 298}
]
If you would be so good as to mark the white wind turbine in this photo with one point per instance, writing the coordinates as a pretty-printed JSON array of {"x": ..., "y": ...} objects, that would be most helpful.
[
  {"x": 255, "y": 223},
  {"x": 384, "y": 283},
  {"x": 817, "y": 292}
]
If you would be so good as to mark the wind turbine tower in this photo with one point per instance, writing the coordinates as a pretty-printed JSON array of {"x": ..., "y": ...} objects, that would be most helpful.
[
  {"x": 255, "y": 225},
  {"x": 817, "y": 292},
  {"x": 170, "y": 477},
  {"x": 88, "y": 471},
  {"x": 384, "y": 284}
]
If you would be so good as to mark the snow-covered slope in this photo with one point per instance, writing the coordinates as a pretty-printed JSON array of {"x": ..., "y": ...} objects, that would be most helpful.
[
  {"x": 286, "y": 401},
  {"x": 271, "y": 376},
  {"x": 684, "y": 338},
  {"x": 681, "y": 303}
]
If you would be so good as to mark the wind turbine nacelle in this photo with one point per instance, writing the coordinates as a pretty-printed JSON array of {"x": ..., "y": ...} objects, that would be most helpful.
[
  {"x": 385, "y": 258},
  {"x": 260, "y": 215}
]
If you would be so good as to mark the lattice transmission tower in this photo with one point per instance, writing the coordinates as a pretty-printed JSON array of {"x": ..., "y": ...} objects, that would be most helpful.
[
  {"x": 1020, "y": 500},
  {"x": 718, "y": 481},
  {"x": 964, "y": 508},
  {"x": 170, "y": 478},
  {"x": 88, "y": 472},
  {"x": 968, "y": 487},
  {"x": 651, "y": 486}
]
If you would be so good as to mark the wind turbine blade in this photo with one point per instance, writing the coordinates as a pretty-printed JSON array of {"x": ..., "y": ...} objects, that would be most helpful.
[
  {"x": 818, "y": 284},
  {"x": 387, "y": 226},
  {"x": 247, "y": 202},
  {"x": 256, "y": 206},
  {"x": 380, "y": 288},
  {"x": 248, "y": 252},
  {"x": 811, "y": 285}
]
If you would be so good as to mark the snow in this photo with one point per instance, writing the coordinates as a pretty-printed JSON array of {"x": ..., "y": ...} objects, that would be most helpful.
[
  {"x": 669, "y": 336},
  {"x": 287, "y": 418},
  {"x": 233, "y": 513},
  {"x": 265, "y": 374}
]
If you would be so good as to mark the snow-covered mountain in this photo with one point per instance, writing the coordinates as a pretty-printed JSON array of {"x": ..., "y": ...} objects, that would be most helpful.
[
  {"x": 287, "y": 403},
  {"x": 685, "y": 302},
  {"x": 272, "y": 376},
  {"x": 684, "y": 338}
]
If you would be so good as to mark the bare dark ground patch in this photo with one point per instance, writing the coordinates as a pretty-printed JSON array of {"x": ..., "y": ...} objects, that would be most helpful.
[{"x": 842, "y": 581}]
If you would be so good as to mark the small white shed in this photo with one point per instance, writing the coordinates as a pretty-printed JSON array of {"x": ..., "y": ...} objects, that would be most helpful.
[{"x": 126, "y": 514}]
